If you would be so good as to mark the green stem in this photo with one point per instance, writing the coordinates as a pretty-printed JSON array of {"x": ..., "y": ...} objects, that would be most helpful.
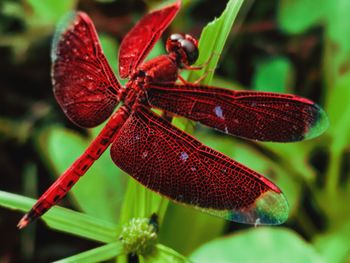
[{"x": 333, "y": 172}]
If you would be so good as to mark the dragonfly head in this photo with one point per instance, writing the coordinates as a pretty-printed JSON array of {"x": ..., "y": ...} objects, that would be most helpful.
[{"x": 185, "y": 48}]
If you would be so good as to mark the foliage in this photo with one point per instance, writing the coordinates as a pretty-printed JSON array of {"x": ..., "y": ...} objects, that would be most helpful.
[{"x": 306, "y": 51}]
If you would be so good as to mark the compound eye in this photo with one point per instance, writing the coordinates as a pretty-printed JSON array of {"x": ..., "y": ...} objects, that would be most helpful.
[
  {"x": 176, "y": 37},
  {"x": 190, "y": 49},
  {"x": 173, "y": 42}
]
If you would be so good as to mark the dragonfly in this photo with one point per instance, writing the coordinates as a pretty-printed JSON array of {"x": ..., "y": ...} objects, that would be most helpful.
[{"x": 145, "y": 144}]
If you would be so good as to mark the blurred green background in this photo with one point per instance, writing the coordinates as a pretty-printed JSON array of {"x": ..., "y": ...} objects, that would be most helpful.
[{"x": 291, "y": 46}]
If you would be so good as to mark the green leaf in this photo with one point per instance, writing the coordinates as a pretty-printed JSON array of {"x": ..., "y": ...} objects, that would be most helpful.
[
  {"x": 66, "y": 220},
  {"x": 338, "y": 109},
  {"x": 337, "y": 30},
  {"x": 191, "y": 221},
  {"x": 140, "y": 202},
  {"x": 274, "y": 75},
  {"x": 334, "y": 245},
  {"x": 165, "y": 254},
  {"x": 49, "y": 11},
  {"x": 110, "y": 49},
  {"x": 337, "y": 42},
  {"x": 293, "y": 156},
  {"x": 212, "y": 41},
  {"x": 99, "y": 192},
  {"x": 263, "y": 244},
  {"x": 296, "y": 16},
  {"x": 98, "y": 254}
]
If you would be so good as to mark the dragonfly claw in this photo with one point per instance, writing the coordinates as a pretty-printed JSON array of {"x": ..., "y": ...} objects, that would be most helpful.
[{"x": 25, "y": 220}]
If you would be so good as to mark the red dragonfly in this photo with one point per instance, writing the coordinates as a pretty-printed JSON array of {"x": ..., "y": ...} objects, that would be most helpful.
[{"x": 150, "y": 149}]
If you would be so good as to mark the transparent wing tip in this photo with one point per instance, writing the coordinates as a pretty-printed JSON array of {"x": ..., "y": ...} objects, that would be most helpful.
[
  {"x": 270, "y": 208},
  {"x": 319, "y": 125},
  {"x": 63, "y": 25}
]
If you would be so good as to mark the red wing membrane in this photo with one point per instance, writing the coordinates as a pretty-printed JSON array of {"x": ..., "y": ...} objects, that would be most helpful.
[
  {"x": 83, "y": 82},
  {"x": 259, "y": 116},
  {"x": 142, "y": 37},
  {"x": 174, "y": 164}
]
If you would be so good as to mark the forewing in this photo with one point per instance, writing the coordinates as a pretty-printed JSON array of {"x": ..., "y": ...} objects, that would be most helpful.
[
  {"x": 142, "y": 37},
  {"x": 83, "y": 82},
  {"x": 262, "y": 116},
  {"x": 174, "y": 164}
]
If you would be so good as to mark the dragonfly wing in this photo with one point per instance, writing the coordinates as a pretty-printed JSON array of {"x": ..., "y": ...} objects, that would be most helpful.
[
  {"x": 83, "y": 82},
  {"x": 176, "y": 165},
  {"x": 262, "y": 116},
  {"x": 142, "y": 37}
]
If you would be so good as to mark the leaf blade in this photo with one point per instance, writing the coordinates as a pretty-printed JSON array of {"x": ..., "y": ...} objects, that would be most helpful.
[{"x": 66, "y": 220}]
